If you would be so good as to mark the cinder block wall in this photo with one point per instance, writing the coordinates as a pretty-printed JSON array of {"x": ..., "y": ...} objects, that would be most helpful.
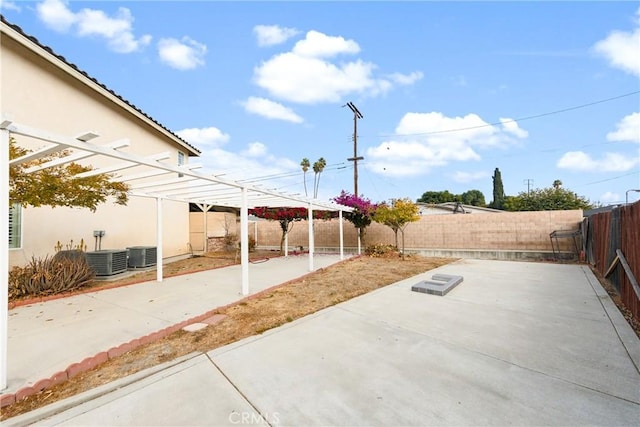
[{"x": 501, "y": 231}]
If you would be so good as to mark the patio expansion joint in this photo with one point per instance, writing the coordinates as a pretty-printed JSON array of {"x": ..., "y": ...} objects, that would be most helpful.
[{"x": 237, "y": 389}]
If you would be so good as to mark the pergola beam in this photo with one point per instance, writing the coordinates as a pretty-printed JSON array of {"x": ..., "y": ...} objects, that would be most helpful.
[
  {"x": 75, "y": 157},
  {"x": 224, "y": 193}
]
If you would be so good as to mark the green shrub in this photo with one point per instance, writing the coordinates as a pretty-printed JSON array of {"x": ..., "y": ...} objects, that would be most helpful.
[{"x": 49, "y": 276}]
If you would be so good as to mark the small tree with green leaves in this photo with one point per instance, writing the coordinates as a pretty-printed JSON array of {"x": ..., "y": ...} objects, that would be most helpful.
[
  {"x": 470, "y": 197},
  {"x": 397, "y": 216},
  {"x": 547, "y": 199},
  {"x": 436, "y": 197},
  {"x": 473, "y": 198},
  {"x": 58, "y": 185}
]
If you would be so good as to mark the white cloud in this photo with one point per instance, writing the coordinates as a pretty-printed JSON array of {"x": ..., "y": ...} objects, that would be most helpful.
[
  {"x": 425, "y": 141},
  {"x": 56, "y": 15},
  {"x": 466, "y": 177},
  {"x": 306, "y": 75},
  {"x": 9, "y": 5},
  {"x": 406, "y": 79},
  {"x": 117, "y": 30},
  {"x": 511, "y": 126},
  {"x": 620, "y": 48},
  {"x": 270, "y": 109},
  {"x": 580, "y": 161},
  {"x": 610, "y": 197},
  {"x": 255, "y": 149},
  {"x": 209, "y": 136},
  {"x": 253, "y": 162},
  {"x": 269, "y": 35},
  {"x": 319, "y": 45},
  {"x": 184, "y": 54},
  {"x": 310, "y": 80},
  {"x": 628, "y": 129}
]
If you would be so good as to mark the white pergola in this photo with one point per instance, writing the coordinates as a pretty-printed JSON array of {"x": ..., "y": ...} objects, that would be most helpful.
[{"x": 147, "y": 177}]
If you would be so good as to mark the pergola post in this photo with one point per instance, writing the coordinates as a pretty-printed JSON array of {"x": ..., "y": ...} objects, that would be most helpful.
[
  {"x": 159, "y": 239},
  {"x": 244, "y": 242},
  {"x": 4, "y": 255},
  {"x": 311, "y": 239},
  {"x": 340, "y": 226}
]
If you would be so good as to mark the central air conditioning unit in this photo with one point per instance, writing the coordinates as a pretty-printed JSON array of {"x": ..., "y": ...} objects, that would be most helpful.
[
  {"x": 107, "y": 262},
  {"x": 142, "y": 256}
]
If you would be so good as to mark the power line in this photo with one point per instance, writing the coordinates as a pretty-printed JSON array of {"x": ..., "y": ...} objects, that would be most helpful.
[
  {"x": 335, "y": 166},
  {"x": 536, "y": 116},
  {"x": 609, "y": 179}
]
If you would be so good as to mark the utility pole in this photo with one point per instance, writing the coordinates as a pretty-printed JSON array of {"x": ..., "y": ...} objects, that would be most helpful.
[
  {"x": 356, "y": 115},
  {"x": 529, "y": 183}
]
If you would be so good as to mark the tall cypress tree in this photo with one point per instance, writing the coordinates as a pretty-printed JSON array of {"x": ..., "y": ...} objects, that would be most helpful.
[{"x": 498, "y": 190}]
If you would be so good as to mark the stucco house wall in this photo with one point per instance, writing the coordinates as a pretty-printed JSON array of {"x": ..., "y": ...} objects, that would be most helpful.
[{"x": 40, "y": 90}]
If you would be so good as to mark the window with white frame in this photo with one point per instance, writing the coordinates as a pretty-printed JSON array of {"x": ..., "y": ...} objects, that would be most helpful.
[
  {"x": 180, "y": 161},
  {"x": 15, "y": 226}
]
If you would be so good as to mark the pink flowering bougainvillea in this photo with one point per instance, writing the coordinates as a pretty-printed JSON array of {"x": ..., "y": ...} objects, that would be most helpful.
[
  {"x": 288, "y": 216},
  {"x": 363, "y": 211}
]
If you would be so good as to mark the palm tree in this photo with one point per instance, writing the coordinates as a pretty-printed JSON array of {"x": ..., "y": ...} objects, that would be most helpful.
[
  {"x": 305, "y": 167},
  {"x": 557, "y": 184},
  {"x": 318, "y": 167}
]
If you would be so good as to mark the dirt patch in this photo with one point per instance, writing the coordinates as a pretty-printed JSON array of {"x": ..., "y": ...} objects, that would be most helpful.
[{"x": 251, "y": 316}]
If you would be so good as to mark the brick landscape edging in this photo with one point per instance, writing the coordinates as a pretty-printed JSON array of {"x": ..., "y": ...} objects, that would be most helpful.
[{"x": 91, "y": 362}]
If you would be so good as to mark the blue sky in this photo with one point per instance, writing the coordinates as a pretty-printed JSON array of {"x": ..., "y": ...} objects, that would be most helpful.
[{"x": 448, "y": 91}]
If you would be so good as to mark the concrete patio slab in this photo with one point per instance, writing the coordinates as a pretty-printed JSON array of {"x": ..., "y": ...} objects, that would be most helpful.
[
  {"x": 518, "y": 344},
  {"x": 71, "y": 329}
]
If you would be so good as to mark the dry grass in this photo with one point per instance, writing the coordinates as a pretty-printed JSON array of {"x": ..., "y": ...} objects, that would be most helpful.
[{"x": 248, "y": 317}]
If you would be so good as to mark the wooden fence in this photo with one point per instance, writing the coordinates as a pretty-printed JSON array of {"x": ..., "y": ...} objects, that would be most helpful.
[{"x": 610, "y": 232}]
